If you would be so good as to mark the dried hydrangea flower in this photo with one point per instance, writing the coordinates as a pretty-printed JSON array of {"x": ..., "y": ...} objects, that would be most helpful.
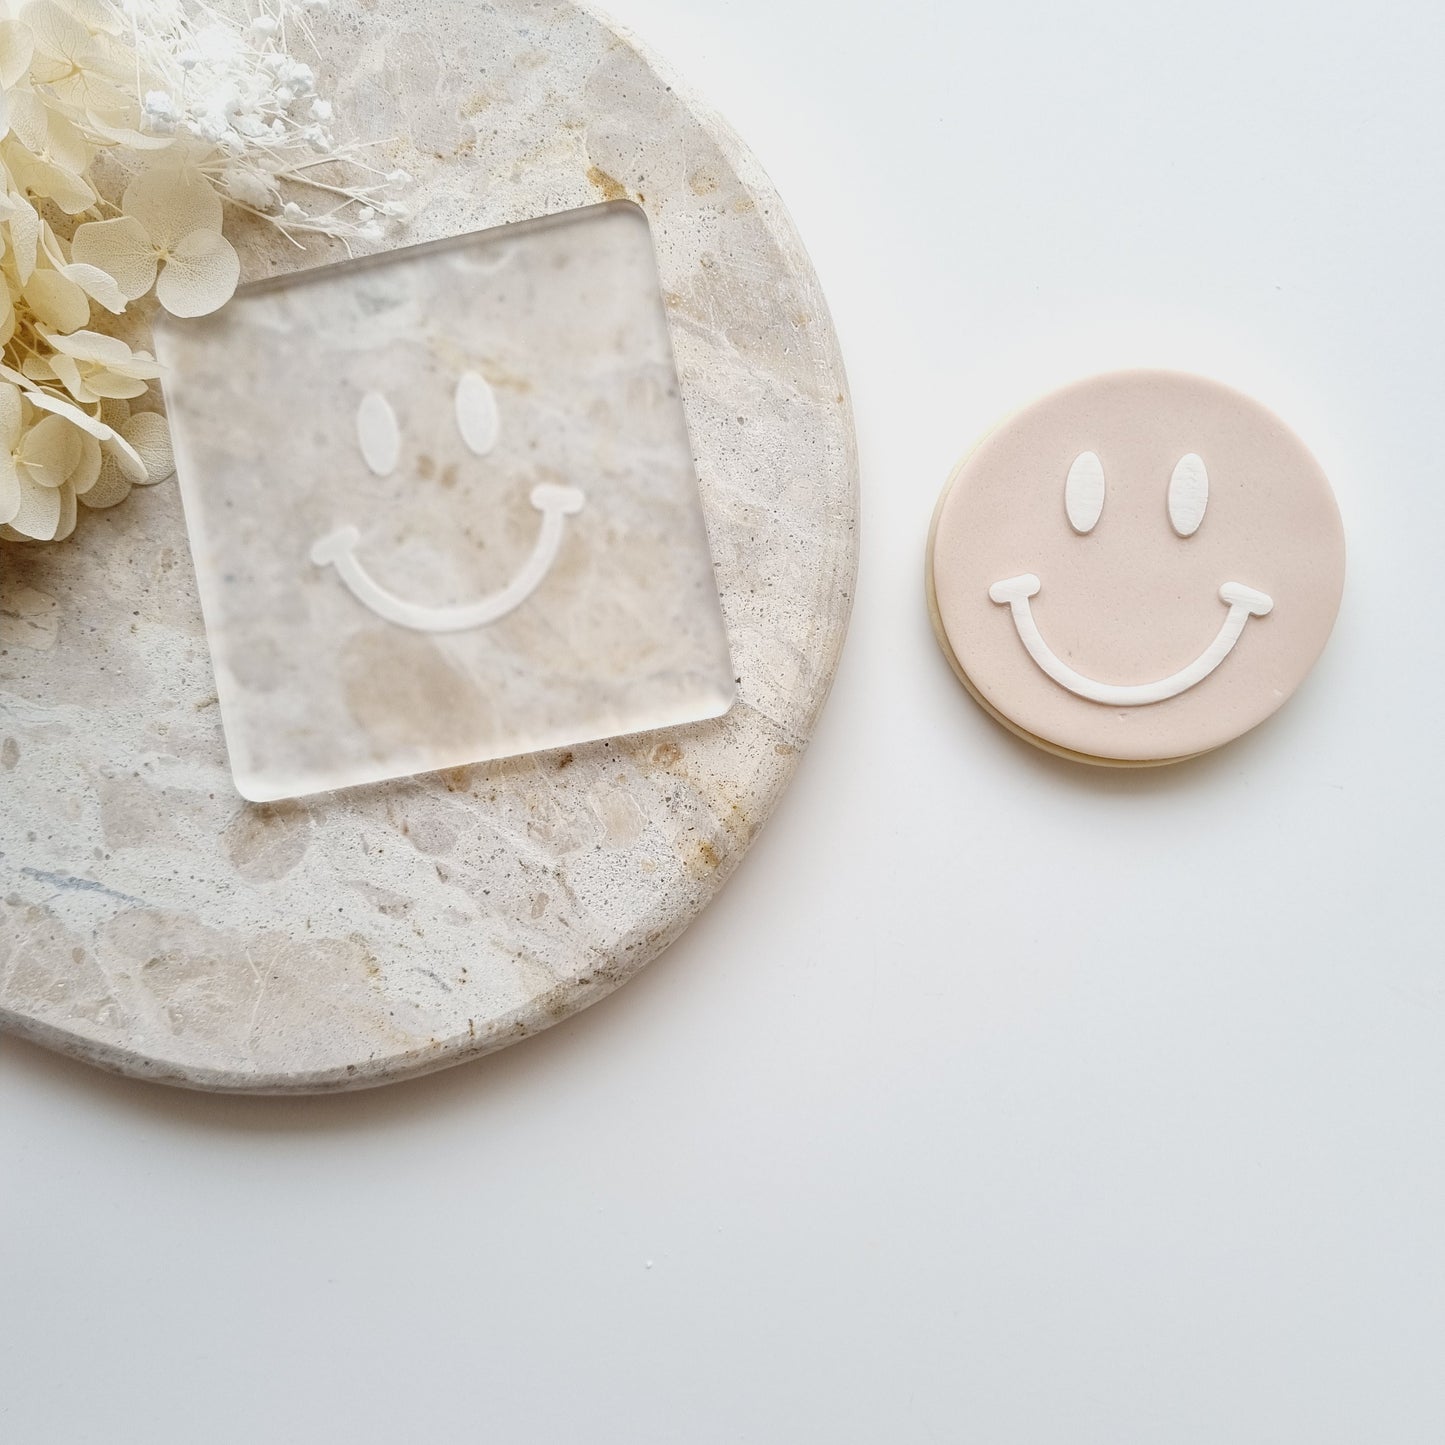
[
  {"x": 168, "y": 235},
  {"x": 94, "y": 367},
  {"x": 37, "y": 460},
  {"x": 202, "y": 111},
  {"x": 148, "y": 437}
]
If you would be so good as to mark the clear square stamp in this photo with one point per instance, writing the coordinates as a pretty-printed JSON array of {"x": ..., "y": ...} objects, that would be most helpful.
[{"x": 443, "y": 507}]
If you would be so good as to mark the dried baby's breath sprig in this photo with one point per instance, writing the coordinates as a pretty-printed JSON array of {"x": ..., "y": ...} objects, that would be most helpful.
[
  {"x": 249, "y": 116},
  {"x": 202, "y": 112}
]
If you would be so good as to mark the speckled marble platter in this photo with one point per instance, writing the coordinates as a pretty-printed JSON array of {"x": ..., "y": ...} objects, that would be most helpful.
[{"x": 154, "y": 923}]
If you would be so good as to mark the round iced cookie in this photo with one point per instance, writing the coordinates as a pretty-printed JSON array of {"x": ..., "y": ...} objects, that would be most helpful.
[{"x": 1136, "y": 569}]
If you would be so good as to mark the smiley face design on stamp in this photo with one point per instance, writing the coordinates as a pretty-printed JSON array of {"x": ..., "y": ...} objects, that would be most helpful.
[
  {"x": 452, "y": 515},
  {"x": 379, "y": 438},
  {"x": 1080, "y": 555}
]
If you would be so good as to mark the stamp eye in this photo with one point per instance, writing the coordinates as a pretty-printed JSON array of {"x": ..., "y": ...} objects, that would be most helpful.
[
  {"x": 476, "y": 408},
  {"x": 378, "y": 434},
  {"x": 1188, "y": 494},
  {"x": 1084, "y": 492}
]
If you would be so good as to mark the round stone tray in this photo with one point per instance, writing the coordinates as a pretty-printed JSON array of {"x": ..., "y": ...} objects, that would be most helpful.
[{"x": 154, "y": 923}]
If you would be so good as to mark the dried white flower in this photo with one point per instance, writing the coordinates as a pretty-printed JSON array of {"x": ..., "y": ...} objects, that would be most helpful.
[
  {"x": 94, "y": 367},
  {"x": 160, "y": 112},
  {"x": 168, "y": 235},
  {"x": 204, "y": 111}
]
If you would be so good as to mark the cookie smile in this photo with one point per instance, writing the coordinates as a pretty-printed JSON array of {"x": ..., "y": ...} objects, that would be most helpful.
[
  {"x": 1243, "y": 603},
  {"x": 337, "y": 549}
]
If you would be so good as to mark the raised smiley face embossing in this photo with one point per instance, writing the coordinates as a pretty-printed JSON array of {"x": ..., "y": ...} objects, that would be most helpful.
[
  {"x": 379, "y": 438},
  {"x": 1136, "y": 569},
  {"x": 1084, "y": 492}
]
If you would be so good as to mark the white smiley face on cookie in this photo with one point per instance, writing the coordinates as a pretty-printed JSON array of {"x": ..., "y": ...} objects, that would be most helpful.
[{"x": 1136, "y": 569}]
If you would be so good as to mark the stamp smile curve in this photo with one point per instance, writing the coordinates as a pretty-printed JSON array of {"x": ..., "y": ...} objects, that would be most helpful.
[
  {"x": 338, "y": 549},
  {"x": 1243, "y": 603}
]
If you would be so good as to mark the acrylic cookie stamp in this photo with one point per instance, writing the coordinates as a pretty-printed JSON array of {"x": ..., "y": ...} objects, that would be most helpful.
[
  {"x": 1136, "y": 569},
  {"x": 452, "y": 513}
]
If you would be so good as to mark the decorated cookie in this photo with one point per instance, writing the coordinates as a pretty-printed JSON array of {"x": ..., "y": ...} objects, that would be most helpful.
[{"x": 1136, "y": 569}]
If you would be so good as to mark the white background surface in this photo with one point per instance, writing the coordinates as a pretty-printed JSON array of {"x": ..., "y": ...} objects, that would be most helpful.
[{"x": 996, "y": 1099}]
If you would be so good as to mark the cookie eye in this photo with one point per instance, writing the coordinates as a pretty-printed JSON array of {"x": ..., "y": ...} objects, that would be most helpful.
[
  {"x": 378, "y": 434},
  {"x": 476, "y": 413},
  {"x": 1084, "y": 492},
  {"x": 1188, "y": 494}
]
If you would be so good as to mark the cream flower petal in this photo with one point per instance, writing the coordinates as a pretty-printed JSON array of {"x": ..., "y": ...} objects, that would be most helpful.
[
  {"x": 7, "y": 316},
  {"x": 58, "y": 303},
  {"x": 24, "y": 227},
  {"x": 10, "y": 493},
  {"x": 200, "y": 276},
  {"x": 93, "y": 75},
  {"x": 50, "y": 451},
  {"x": 126, "y": 457},
  {"x": 121, "y": 128},
  {"x": 115, "y": 446},
  {"x": 65, "y": 146},
  {"x": 104, "y": 55},
  {"x": 93, "y": 346},
  {"x": 110, "y": 487},
  {"x": 71, "y": 57},
  {"x": 101, "y": 382},
  {"x": 44, "y": 69},
  {"x": 10, "y": 415},
  {"x": 66, "y": 370},
  {"x": 70, "y": 192},
  {"x": 66, "y": 525},
  {"x": 93, "y": 366},
  {"x": 99, "y": 285},
  {"x": 46, "y": 134},
  {"x": 72, "y": 413},
  {"x": 97, "y": 16},
  {"x": 29, "y": 120},
  {"x": 37, "y": 368},
  {"x": 17, "y": 45},
  {"x": 39, "y": 512},
  {"x": 149, "y": 434},
  {"x": 122, "y": 249},
  {"x": 114, "y": 411},
  {"x": 170, "y": 203},
  {"x": 87, "y": 469},
  {"x": 57, "y": 33},
  {"x": 39, "y": 177}
]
